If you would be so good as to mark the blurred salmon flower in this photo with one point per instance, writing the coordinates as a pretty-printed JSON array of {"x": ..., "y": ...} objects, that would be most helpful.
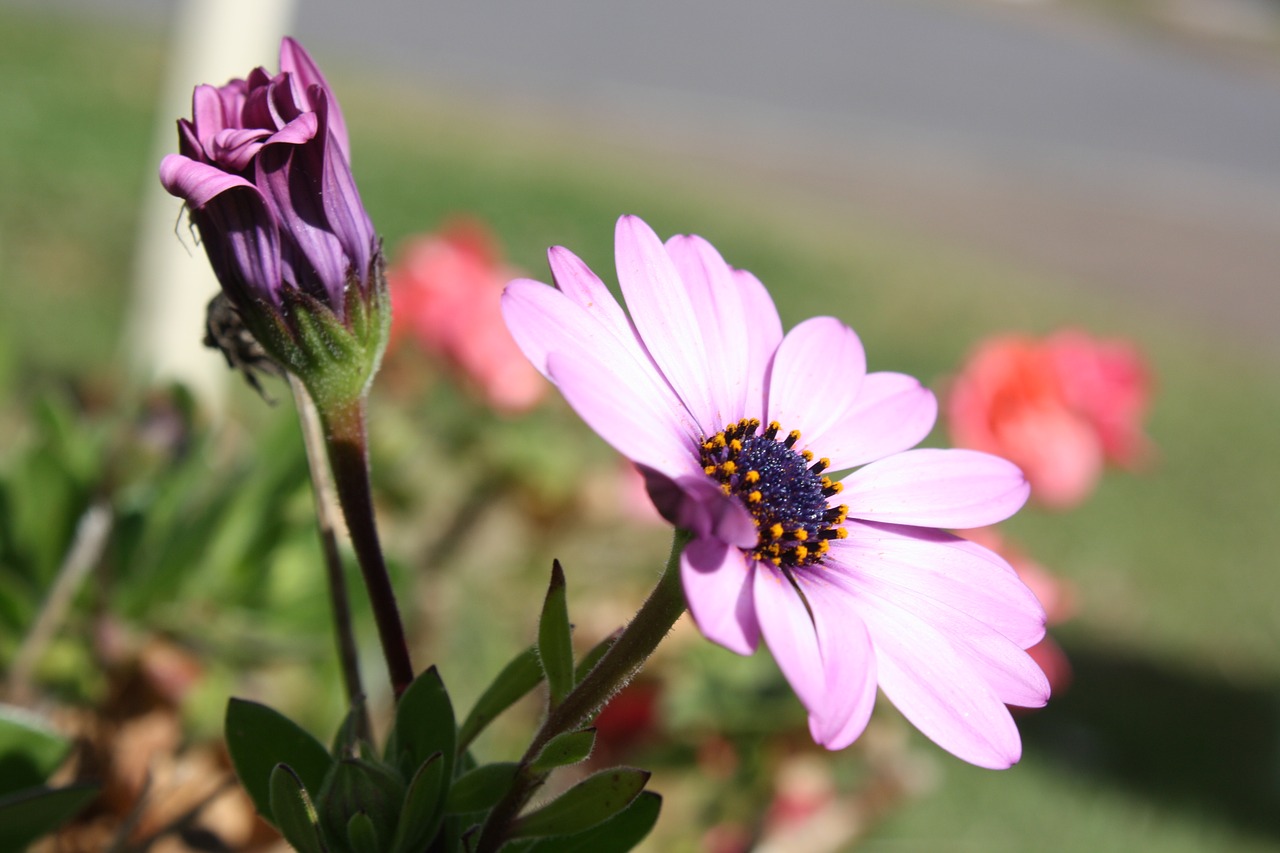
[
  {"x": 1060, "y": 408},
  {"x": 446, "y": 290}
]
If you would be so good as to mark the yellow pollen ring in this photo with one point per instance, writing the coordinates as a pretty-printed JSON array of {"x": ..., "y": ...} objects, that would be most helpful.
[
  {"x": 755, "y": 497},
  {"x": 752, "y": 477},
  {"x": 801, "y": 534}
]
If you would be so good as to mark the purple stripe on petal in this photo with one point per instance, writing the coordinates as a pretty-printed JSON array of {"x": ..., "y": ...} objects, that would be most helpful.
[
  {"x": 717, "y": 581},
  {"x": 936, "y": 488}
]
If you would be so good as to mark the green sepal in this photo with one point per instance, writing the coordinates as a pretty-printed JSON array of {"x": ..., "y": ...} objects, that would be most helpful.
[
  {"x": 588, "y": 803},
  {"x": 361, "y": 834},
  {"x": 618, "y": 834},
  {"x": 259, "y": 738},
  {"x": 555, "y": 646},
  {"x": 564, "y": 749},
  {"x": 516, "y": 680},
  {"x": 29, "y": 750},
  {"x": 295, "y": 814},
  {"x": 32, "y": 812},
  {"x": 480, "y": 789},
  {"x": 422, "y": 811},
  {"x": 424, "y": 726}
]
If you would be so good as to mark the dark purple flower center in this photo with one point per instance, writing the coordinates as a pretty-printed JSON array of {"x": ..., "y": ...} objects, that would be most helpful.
[{"x": 783, "y": 489}]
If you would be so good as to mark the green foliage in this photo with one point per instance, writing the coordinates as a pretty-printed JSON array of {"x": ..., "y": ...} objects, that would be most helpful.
[
  {"x": 555, "y": 646},
  {"x": 516, "y": 679},
  {"x": 29, "y": 753},
  {"x": 588, "y": 803},
  {"x": 565, "y": 749},
  {"x": 292, "y": 810},
  {"x": 259, "y": 739},
  {"x": 618, "y": 834}
]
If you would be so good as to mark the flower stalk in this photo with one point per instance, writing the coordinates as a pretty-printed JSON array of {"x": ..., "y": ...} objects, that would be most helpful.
[
  {"x": 346, "y": 441},
  {"x": 323, "y": 492},
  {"x": 634, "y": 645}
]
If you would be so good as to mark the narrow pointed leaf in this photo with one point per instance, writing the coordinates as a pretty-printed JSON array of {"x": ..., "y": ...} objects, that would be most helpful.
[
  {"x": 564, "y": 749},
  {"x": 516, "y": 680},
  {"x": 259, "y": 738},
  {"x": 480, "y": 789},
  {"x": 618, "y": 834},
  {"x": 555, "y": 647},
  {"x": 361, "y": 834},
  {"x": 591, "y": 658},
  {"x": 420, "y": 818},
  {"x": 588, "y": 803},
  {"x": 295, "y": 815},
  {"x": 32, "y": 812},
  {"x": 424, "y": 725}
]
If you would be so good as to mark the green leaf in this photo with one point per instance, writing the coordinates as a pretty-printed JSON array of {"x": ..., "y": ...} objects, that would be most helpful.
[
  {"x": 516, "y": 679},
  {"x": 420, "y": 818},
  {"x": 424, "y": 725},
  {"x": 259, "y": 738},
  {"x": 592, "y": 801},
  {"x": 555, "y": 646},
  {"x": 566, "y": 748},
  {"x": 361, "y": 834},
  {"x": 29, "y": 750},
  {"x": 592, "y": 657},
  {"x": 295, "y": 815},
  {"x": 480, "y": 789},
  {"x": 618, "y": 834},
  {"x": 28, "y": 814}
]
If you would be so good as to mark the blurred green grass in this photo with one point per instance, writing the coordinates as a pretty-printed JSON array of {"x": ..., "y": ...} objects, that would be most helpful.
[{"x": 1176, "y": 567}]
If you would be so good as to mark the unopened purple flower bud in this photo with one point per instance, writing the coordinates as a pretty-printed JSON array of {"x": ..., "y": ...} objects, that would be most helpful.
[{"x": 264, "y": 168}]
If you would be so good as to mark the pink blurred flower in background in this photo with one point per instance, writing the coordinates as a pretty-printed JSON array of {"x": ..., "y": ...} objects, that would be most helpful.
[
  {"x": 446, "y": 290},
  {"x": 1060, "y": 408}
]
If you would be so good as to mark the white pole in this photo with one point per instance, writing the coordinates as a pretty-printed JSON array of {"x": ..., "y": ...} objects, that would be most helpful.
[{"x": 213, "y": 42}]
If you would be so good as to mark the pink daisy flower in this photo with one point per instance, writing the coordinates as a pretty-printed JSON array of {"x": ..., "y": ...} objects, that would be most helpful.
[{"x": 738, "y": 430}]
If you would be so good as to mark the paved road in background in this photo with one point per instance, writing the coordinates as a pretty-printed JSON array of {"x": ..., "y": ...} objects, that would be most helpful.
[{"x": 1111, "y": 161}]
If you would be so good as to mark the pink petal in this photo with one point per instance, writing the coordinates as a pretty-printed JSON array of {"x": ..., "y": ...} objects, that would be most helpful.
[
  {"x": 945, "y": 569},
  {"x": 891, "y": 413},
  {"x": 763, "y": 335},
  {"x": 603, "y": 378},
  {"x": 816, "y": 373},
  {"x": 609, "y": 392},
  {"x": 791, "y": 636},
  {"x": 997, "y": 661},
  {"x": 717, "y": 588},
  {"x": 715, "y": 296},
  {"x": 937, "y": 688},
  {"x": 576, "y": 280},
  {"x": 663, "y": 313},
  {"x": 848, "y": 666},
  {"x": 936, "y": 488}
]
